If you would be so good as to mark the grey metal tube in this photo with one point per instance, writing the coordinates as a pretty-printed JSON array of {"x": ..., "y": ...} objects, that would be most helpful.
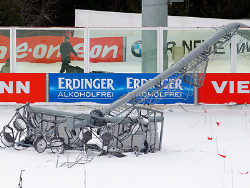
[
  {"x": 119, "y": 119},
  {"x": 51, "y": 112},
  {"x": 177, "y": 66},
  {"x": 70, "y": 115},
  {"x": 47, "y": 87}
]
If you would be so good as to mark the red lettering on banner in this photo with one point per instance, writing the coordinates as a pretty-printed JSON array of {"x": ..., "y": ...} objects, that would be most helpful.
[
  {"x": 45, "y": 49},
  {"x": 22, "y": 87},
  {"x": 106, "y": 49},
  {"x": 242, "y": 86},
  {"x": 225, "y": 88},
  {"x": 4, "y": 49},
  {"x": 8, "y": 88}
]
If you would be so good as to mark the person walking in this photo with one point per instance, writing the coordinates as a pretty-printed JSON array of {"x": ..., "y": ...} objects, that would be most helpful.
[{"x": 65, "y": 50}]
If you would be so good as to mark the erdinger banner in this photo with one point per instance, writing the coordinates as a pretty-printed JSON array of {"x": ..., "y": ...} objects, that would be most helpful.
[
  {"x": 220, "y": 88},
  {"x": 22, "y": 87},
  {"x": 45, "y": 49},
  {"x": 108, "y": 87}
]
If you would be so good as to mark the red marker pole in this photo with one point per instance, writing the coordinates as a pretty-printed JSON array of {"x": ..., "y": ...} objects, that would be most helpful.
[
  {"x": 224, "y": 163},
  {"x": 249, "y": 126},
  {"x": 216, "y": 144},
  {"x": 223, "y": 156},
  {"x": 205, "y": 116},
  {"x": 210, "y": 126},
  {"x": 204, "y": 110},
  {"x": 246, "y": 120}
]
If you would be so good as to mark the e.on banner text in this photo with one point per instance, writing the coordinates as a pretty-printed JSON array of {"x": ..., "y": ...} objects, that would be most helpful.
[{"x": 45, "y": 49}]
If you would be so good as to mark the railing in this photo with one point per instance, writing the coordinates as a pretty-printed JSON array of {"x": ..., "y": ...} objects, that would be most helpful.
[{"x": 118, "y": 50}]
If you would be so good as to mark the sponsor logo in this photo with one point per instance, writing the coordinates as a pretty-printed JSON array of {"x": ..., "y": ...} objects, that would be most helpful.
[
  {"x": 108, "y": 87},
  {"x": 225, "y": 88},
  {"x": 22, "y": 88},
  {"x": 173, "y": 90},
  {"x": 4, "y": 87},
  {"x": 133, "y": 83},
  {"x": 90, "y": 87},
  {"x": 136, "y": 48},
  {"x": 45, "y": 49},
  {"x": 242, "y": 86},
  {"x": 85, "y": 88}
]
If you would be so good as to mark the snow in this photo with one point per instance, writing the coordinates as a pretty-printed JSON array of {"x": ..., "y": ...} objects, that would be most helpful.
[{"x": 188, "y": 159}]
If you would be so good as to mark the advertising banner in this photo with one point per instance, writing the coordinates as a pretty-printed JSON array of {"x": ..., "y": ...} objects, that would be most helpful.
[
  {"x": 45, "y": 49},
  {"x": 108, "y": 87},
  {"x": 220, "y": 88},
  {"x": 133, "y": 48},
  {"x": 4, "y": 49},
  {"x": 22, "y": 87}
]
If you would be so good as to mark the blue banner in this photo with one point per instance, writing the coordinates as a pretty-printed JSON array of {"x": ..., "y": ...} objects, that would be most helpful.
[{"x": 108, "y": 87}]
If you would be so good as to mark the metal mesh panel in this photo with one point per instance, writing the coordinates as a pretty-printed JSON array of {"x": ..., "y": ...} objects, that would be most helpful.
[
  {"x": 195, "y": 72},
  {"x": 128, "y": 137},
  {"x": 47, "y": 123}
]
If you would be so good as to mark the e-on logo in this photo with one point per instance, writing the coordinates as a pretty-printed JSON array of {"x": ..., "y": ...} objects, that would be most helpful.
[{"x": 136, "y": 48}]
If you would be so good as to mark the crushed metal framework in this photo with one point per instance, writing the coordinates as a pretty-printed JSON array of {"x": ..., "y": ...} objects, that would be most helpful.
[{"x": 123, "y": 125}]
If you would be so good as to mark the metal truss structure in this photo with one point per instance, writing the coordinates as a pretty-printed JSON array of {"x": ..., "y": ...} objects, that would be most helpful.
[{"x": 123, "y": 126}]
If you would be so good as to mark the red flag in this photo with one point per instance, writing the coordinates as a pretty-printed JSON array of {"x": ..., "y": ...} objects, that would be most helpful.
[
  {"x": 224, "y": 156},
  {"x": 218, "y": 124},
  {"x": 205, "y": 111},
  {"x": 209, "y": 138},
  {"x": 244, "y": 173}
]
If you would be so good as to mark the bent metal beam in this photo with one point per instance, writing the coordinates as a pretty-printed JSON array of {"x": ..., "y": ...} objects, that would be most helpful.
[{"x": 222, "y": 32}]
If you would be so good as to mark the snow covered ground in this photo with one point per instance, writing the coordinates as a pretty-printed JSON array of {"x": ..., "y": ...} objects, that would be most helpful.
[{"x": 201, "y": 148}]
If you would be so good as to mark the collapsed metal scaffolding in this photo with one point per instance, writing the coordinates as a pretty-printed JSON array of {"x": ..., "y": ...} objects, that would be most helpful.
[{"x": 122, "y": 126}]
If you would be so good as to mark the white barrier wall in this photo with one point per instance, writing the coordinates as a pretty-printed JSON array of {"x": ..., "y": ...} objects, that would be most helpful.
[
  {"x": 87, "y": 18},
  {"x": 90, "y": 18}
]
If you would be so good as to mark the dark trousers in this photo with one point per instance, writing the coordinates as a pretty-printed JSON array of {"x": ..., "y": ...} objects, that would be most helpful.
[{"x": 65, "y": 65}]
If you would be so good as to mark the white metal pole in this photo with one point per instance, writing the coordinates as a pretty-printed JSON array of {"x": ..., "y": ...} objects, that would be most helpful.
[
  {"x": 13, "y": 50},
  {"x": 160, "y": 50},
  {"x": 86, "y": 50},
  {"x": 234, "y": 53}
]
